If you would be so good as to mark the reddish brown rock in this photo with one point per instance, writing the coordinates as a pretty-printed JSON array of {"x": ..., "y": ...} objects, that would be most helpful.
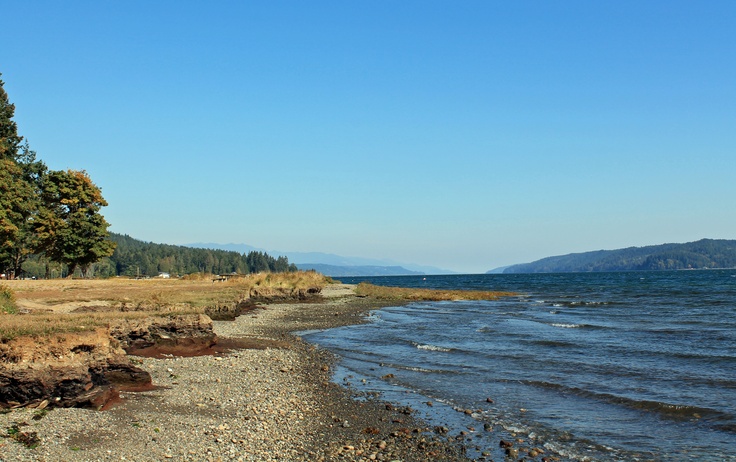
[
  {"x": 230, "y": 311},
  {"x": 187, "y": 335},
  {"x": 273, "y": 294},
  {"x": 66, "y": 370}
]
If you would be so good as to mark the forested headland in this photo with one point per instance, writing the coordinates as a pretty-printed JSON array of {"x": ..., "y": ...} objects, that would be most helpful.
[
  {"x": 137, "y": 258},
  {"x": 134, "y": 257},
  {"x": 702, "y": 254}
]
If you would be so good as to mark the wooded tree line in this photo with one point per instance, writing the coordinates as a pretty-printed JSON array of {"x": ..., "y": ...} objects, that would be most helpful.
[
  {"x": 54, "y": 215},
  {"x": 133, "y": 257}
]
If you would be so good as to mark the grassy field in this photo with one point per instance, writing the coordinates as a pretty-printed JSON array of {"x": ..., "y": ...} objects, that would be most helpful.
[{"x": 61, "y": 305}]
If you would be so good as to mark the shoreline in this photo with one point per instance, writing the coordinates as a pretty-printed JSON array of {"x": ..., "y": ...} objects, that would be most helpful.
[{"x": 272, "y": 401}]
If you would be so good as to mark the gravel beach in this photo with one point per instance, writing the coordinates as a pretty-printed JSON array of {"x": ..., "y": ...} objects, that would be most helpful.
[{"x": 268, "y": 398}]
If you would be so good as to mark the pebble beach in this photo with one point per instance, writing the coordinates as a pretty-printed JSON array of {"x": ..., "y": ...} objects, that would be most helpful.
[{"x": 269, "y": 397}]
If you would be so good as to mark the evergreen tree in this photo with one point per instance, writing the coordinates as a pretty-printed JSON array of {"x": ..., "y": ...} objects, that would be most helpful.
[
  {"x": 10, "y": 142},
  {"x": 20, "y": 175},
  {"x": 17, "y": 204}
]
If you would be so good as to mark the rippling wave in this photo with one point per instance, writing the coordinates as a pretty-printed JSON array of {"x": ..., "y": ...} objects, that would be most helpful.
[{"x": 675, "y": 411}]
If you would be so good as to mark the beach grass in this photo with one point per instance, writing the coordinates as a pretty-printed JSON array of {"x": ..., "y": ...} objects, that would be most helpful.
[
  {"x": 45, "y": 307},
  {"x": 365, "y": 289}
]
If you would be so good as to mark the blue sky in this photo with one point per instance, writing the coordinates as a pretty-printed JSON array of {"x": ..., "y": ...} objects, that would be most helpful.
[{"x": 465, "y": 135}]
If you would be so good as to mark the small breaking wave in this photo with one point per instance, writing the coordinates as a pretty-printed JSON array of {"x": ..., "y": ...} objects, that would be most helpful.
[
  {"x": 567, "y": 326},
  {"x": 431, "y": 347},
  {"x": 577, "y": 303},
  {"x": 404, "y": 367}
]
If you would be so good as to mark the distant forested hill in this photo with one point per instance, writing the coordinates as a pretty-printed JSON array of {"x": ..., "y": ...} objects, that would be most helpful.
[
  {"x": 706, "y": 253},
  {"x": 132, "y": 257}
]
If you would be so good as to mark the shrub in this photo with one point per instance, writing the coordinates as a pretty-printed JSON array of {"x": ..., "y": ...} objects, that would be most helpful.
[{"x": 7, "y": 300}]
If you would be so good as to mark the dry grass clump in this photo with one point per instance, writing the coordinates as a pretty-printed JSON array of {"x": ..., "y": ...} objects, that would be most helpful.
[
  {"x": 42, "y": 324},
  {"x": 365, "y": 289},
  {"x": 296, "y": 280},
  {"x": 63, "y": 305},
  {"x": 7, "y": 300}
]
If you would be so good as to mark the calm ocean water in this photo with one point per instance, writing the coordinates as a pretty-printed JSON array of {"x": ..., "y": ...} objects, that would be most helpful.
[{"x": 593, "y": 366}]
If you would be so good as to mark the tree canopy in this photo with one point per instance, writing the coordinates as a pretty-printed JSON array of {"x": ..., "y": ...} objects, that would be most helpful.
[
  {"x": 69, "y": 227},
  {"x": 10, "y": 142}
]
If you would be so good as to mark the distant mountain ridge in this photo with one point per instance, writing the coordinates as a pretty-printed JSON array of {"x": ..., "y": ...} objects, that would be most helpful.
[
  {"x": 702, "y": 254},
  {"x": 334, "y": 263},
  {"x": 352, "y": 271}
]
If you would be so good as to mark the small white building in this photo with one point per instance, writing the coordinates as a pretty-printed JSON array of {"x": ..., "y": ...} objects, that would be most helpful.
[{"x": 164, "y": 275}]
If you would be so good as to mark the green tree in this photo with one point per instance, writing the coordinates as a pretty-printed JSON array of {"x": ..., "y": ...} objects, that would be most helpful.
[
  {"x": 70, "y": 228},
  {"x": 20, "y": 179},
  {"x": 17, "y": 203},
  {"x": 10, "y": 142},
  {"x": 26, "y": 184}
]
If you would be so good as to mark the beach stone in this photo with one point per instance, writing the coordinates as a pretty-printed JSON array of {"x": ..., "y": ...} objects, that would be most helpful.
[{"x": 240, "y": 407}]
